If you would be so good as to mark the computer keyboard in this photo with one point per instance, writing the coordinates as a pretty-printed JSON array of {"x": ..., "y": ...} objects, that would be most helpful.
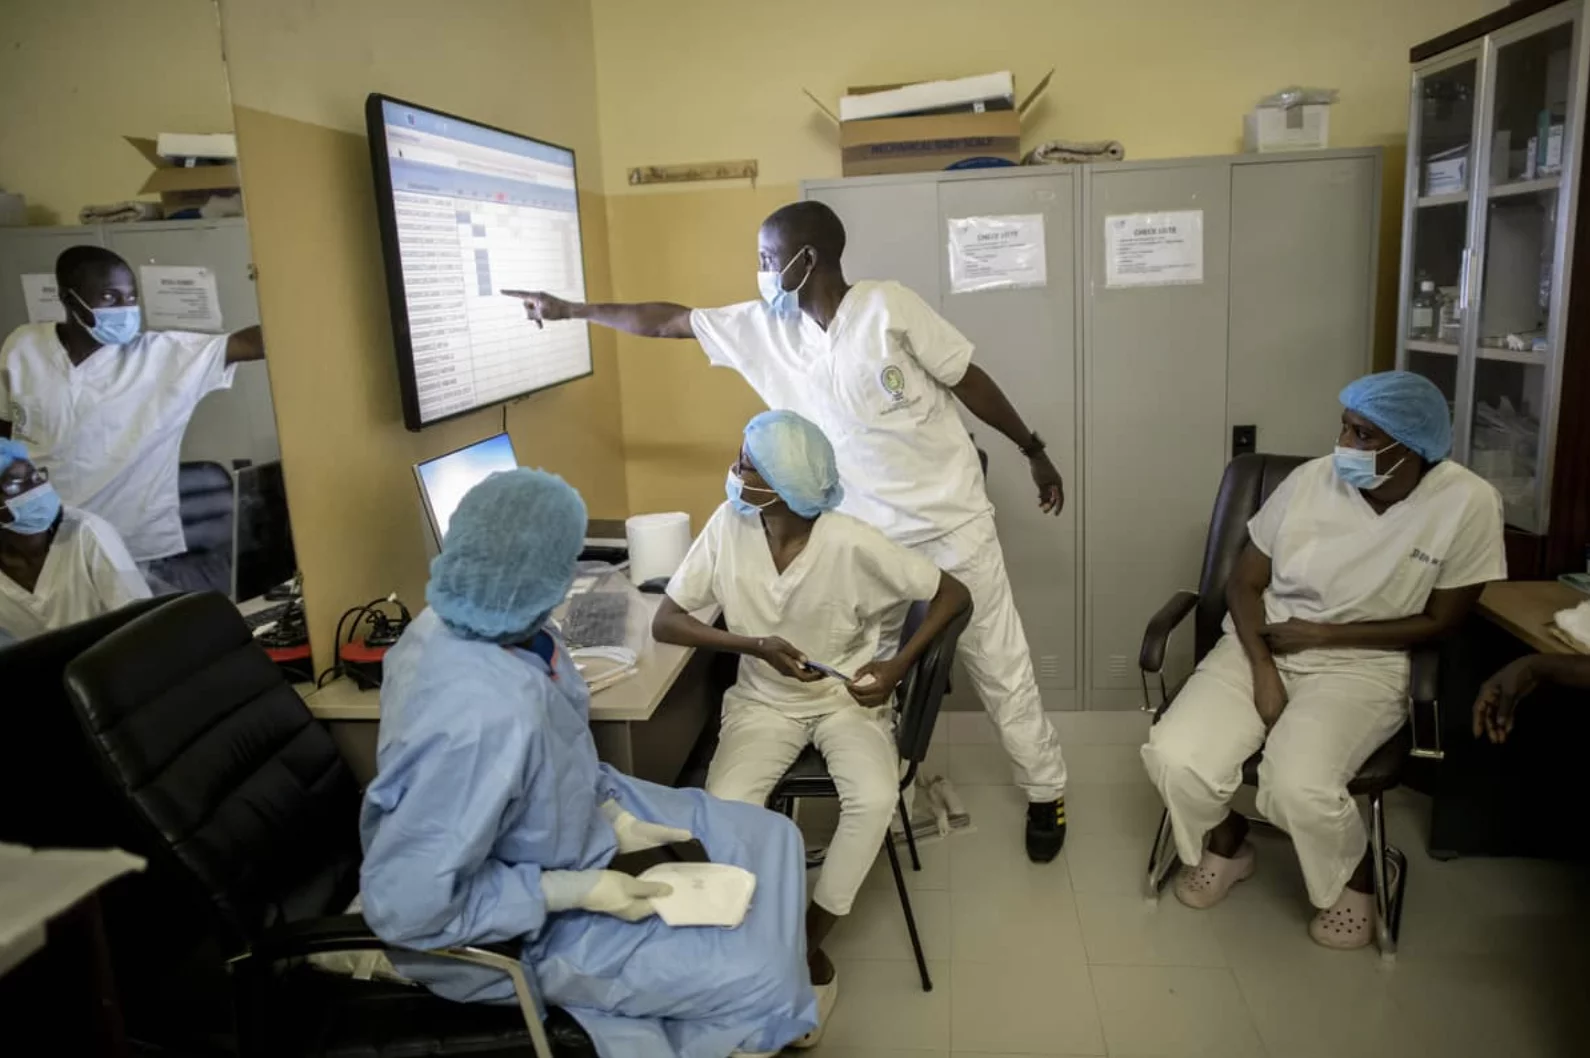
[
  {"x": 260, "y": 618},
  {"x": 596, "y": 619}
]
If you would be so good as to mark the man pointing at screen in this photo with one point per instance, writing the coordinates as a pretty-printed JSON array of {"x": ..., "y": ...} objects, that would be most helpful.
[{"x": 878, "y": 370}]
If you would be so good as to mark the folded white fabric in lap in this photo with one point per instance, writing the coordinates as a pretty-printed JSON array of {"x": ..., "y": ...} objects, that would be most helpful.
[{"x": 704, "y": 894}]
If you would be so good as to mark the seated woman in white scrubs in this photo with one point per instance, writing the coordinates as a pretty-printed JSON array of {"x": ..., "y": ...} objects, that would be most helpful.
[
  {"x": 58, "y": 565},
  {"x": 799, "y": 582},
  {"x": 1354, "y": 559}
]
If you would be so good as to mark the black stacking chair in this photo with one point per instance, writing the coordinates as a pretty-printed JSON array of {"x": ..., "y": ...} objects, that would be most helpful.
[
  {"x": 919, "y": 697},
  {"x": 1248, "y": 482}
]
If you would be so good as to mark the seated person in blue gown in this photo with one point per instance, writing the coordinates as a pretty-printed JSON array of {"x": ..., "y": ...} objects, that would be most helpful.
[{"x": 490, "y": 818}]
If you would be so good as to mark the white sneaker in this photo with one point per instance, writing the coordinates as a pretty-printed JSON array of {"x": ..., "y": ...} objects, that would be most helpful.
[{"x": 827, "y": 996}]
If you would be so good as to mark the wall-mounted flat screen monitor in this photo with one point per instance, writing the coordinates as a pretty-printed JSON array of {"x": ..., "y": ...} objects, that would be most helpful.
[{"x": 467, "y": 211}]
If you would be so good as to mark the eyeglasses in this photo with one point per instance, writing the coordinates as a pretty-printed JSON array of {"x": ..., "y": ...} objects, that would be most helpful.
[{"x": 10, "y": 487}]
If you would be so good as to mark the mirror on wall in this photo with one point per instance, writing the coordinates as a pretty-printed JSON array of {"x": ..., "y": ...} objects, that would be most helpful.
[{"x": 134, "y": 368}]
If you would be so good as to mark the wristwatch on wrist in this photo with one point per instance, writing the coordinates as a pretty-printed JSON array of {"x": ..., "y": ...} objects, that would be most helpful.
[{"x": 1034, "y": 447}]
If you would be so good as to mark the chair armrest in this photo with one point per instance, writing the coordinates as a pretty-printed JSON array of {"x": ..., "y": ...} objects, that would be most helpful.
[
  {"x": 1424, "y": 707},
  {"x": 1151, "y": 658},
  {"x": 315, "y": 936},
  {"x": 333, "y": 933},
  {"x": 1424, "y": 670}
]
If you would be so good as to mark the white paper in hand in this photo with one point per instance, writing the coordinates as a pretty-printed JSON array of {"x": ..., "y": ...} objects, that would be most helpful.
[{"x": 705, "y": 894}]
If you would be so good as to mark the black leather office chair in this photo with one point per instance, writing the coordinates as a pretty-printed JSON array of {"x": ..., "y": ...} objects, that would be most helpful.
[
  {"x": 919, "y": 697},
  {"x": 1248, "y": 482},
  {"x": 248, "y": 817},
  {"x": 50, "y": 792},
  {"x": 207, "y": 502}
]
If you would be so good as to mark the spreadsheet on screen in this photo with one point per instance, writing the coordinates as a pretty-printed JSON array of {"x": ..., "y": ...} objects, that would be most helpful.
[{"x": 479, "y": 211}]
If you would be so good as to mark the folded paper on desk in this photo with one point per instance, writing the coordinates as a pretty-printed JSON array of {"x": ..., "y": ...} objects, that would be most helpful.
[
  {"x": 1573, "y": 626},
  {"x": 704, "y": 894}
]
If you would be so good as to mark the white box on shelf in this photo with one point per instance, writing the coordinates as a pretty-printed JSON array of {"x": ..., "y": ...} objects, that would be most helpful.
[
  {"x": 1301, "y": 128},
  {"x": 1447, "y": 173}
]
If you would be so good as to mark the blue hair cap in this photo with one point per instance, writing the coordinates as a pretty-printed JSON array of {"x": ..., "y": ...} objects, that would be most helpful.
[
  {"x": 1407, "y": 406},
  {"x": 12, "y": 452},
  {"x": 795, "y": 460},
  {"x": 509, "y": 556}
]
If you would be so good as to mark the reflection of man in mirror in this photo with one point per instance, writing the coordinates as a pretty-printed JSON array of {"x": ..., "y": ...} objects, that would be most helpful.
[{"x": 103, "y": 403}]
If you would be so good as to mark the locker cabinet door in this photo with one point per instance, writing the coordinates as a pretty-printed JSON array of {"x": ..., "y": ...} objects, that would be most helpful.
[
  {"x": 1155, "y": 385},
  {"x": 1302, "y": 273},
  {"x": 31, "y": 250},
  {"x": 891, "y": 232},
  {"x": 1026, "y": 340},
  {"x": 231, "y": 424}
]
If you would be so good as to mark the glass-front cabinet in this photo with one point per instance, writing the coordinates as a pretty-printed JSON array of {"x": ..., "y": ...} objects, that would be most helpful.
[{"x": 1492, "y": 141}]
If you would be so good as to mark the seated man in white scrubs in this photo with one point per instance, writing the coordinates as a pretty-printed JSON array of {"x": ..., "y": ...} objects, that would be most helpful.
[
  {"x": 1354, "y": 559},
  {"x": 58, "y": 565},
  {"x": 104, "y": 404},
  {"x": 799, "y": 582}
]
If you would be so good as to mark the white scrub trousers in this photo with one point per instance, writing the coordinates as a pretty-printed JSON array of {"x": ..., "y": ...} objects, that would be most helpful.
[
  {"x": 758, "y": 743},
  {"x": 997, "y": 659},
  {"x": 1339, "y": 711}
]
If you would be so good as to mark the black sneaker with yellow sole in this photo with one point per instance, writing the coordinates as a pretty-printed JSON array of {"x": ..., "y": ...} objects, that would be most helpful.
[{"x": 1046, "y": 830}]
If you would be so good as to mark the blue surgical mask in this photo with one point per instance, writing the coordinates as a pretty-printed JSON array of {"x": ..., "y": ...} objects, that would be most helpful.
[
  {"x": 34, "y": 511},
  {"x": 1356, "y": 467},
  {"x": 113, "y": 324},
  {"x": 785, "y": 304},
  {"x": 734, "y": 486}
]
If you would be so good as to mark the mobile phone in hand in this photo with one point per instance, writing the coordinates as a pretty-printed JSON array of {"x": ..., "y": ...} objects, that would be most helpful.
[
  {"x": 827, "y": 670},
  {"x": 635, "y": 864}
]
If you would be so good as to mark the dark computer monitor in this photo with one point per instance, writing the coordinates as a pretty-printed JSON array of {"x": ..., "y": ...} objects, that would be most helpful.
[{"x": 264, "y": 550}]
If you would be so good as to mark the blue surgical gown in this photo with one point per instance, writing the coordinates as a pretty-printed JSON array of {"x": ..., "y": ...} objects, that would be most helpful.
[{"x": 487, "y": 775}]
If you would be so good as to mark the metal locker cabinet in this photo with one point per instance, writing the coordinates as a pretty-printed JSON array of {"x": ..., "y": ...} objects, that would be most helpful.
[
  {"x": 891, "y": 230},
  {"x": 31, "y": 250},
  {"x": 1303, "y": 252},
  {"x": 1026, "y": 340},
  {"x": 1154, "y": 400},
  {"x": 232, "y": 424}
]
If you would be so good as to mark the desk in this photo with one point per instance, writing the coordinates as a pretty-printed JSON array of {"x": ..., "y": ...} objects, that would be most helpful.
[
  {"x": 1524, "y": 608},
  {"x": 644, "y": 726},
  {"x": 1499, "y": 800},
  {"x": 61, "y": 1000}
]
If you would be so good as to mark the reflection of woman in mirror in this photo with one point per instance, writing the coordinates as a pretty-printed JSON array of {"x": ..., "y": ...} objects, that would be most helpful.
[
  {"x": 58, "y": 565},
  {"x": 104, "y": 403}
]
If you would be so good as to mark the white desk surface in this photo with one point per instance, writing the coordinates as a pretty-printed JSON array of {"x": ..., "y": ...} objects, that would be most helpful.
[
  {"x": 633, "y": 699},
  {"x": 38, "y": 884}
]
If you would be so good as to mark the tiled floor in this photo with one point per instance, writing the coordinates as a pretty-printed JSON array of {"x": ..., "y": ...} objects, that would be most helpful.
[{"x": 1068, "y": 959}]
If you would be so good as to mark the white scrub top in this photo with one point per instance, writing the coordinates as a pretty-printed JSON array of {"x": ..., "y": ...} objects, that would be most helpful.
[
  {"x": 831, "y": 603},
  {"x": 86, "y": 573},
  {"x": 878, "y": 383},
  {"x": 109, "y": 430},
  {"x": 1334, "y": 560}
]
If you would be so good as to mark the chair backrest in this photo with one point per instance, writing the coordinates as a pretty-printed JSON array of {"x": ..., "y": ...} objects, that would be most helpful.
[
  {"x": 233, "y": 787},
  {"x": 207, "y": 504},
  {"x": 922, "y": 691},
  {"x": 52, "y": 793},
  {"x": 1247, "y": 483}
]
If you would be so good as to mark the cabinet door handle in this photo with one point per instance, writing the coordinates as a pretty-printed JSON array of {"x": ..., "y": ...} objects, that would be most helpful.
[{"x": 1463, "y": 282}]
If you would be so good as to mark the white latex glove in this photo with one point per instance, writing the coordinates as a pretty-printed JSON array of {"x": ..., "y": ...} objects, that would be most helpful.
[
  {"x": 636, "y": 835},
  {"x": 605, "y": 892}
]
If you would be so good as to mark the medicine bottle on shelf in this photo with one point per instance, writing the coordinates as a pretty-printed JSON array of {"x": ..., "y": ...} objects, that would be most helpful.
[{"x": 1421, "y": 321}]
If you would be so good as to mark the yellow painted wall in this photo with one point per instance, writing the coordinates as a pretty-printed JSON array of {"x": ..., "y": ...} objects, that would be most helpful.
[
  {"x": 708, "y": 80},
  {"x": 300, "y": 71},
  {"x": 78, "y": 75}
]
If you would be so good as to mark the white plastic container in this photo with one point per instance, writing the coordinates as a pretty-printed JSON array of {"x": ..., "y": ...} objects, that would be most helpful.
[
  {"x": 657, "y": 544},
  {"x": 1300, "y": 128}
]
